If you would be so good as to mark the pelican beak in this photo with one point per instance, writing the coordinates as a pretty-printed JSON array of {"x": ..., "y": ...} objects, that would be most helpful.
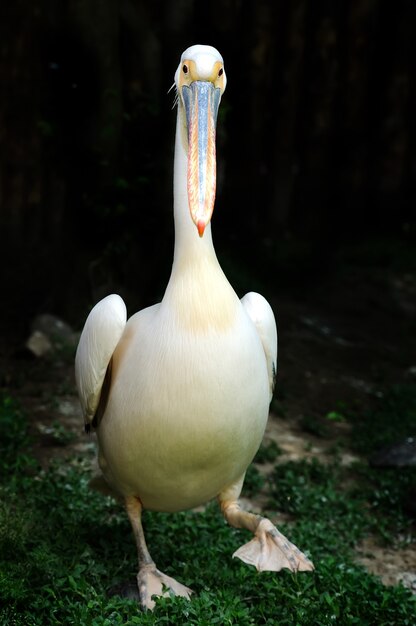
[{"x": 201, "y": 100}]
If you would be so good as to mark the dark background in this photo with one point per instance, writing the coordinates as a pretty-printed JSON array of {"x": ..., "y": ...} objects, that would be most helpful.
[{"x": 316, "y": 146}]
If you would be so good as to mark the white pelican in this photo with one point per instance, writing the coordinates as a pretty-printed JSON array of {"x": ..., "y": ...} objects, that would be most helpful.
[{"x": 180, "y": 393}]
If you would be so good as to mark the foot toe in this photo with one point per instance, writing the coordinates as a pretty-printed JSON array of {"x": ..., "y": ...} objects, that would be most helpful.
[{"x": 151, "y": 582}]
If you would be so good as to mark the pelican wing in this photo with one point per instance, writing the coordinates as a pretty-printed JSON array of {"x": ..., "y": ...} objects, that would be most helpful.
[
  {"x": 99, "y": 338},
  {"x": 261, "y": 314}
]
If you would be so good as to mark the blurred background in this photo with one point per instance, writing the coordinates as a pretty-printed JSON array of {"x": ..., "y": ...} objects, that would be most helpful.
[{"x": 316, "y": 147}]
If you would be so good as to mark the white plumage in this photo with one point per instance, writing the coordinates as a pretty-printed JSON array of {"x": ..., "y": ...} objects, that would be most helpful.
[{"x": 180, "y": 394}]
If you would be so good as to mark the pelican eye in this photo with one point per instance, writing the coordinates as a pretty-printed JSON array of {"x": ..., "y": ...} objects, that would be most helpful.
[
  {"x": 221, "y": 72},
  {"x": 185, "y": 69}
]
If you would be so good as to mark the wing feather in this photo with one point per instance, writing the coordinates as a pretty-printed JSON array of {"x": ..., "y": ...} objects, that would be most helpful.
[
  {"x": 261, "y": 314},
  {"x": 99, "y": 338}
]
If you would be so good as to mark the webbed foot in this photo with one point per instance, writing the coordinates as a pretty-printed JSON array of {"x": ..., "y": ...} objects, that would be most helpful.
[
  {"x": 152, "y": 582},
  {"x": 271, "y": 551}
]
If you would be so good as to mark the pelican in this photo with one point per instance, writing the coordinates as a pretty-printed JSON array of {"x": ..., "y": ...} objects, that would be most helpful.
[{"x": 179, "y": 394}]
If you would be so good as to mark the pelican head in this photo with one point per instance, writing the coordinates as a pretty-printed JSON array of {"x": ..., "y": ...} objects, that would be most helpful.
[{"x": 200, "y": 82}]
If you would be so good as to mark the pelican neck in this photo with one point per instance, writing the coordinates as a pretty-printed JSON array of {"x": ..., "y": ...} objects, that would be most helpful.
[{"x": 188, "y": 243}]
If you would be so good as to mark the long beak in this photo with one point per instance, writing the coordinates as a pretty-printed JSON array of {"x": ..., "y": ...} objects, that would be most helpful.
[{"x": 201, "y": 101}]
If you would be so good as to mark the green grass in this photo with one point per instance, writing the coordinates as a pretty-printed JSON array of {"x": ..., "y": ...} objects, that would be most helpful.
[{"x": 62, "y": 546}]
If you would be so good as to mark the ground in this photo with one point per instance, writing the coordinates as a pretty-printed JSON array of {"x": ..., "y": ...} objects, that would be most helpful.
[{"x": 341, "y": 344}]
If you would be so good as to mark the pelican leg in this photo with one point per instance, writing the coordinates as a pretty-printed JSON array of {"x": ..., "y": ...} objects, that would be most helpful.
[
  {"x": 150, "y": 581},
  {"x": 269, "y": 550}
]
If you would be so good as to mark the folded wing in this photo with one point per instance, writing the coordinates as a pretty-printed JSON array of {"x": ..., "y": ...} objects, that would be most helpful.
[
  {"x": 261, "y": 314},
  {"x": 99, "y": 338}
]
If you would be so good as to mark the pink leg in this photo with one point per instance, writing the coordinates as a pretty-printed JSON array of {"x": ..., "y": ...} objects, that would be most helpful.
[
  {"x": 150, "y": 581},
  {"x": 269, "y": 550}
]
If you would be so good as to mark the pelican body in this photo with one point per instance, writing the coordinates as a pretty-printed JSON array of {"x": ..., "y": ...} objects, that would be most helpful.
[
  {"x": 179, "y": 394},
  {"x": 192, "y": 412}
]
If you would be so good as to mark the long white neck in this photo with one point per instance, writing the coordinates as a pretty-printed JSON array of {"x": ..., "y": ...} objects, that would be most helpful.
[
  {"x": 198, "y": 295},
  {"x": 188, "y": 243}
]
